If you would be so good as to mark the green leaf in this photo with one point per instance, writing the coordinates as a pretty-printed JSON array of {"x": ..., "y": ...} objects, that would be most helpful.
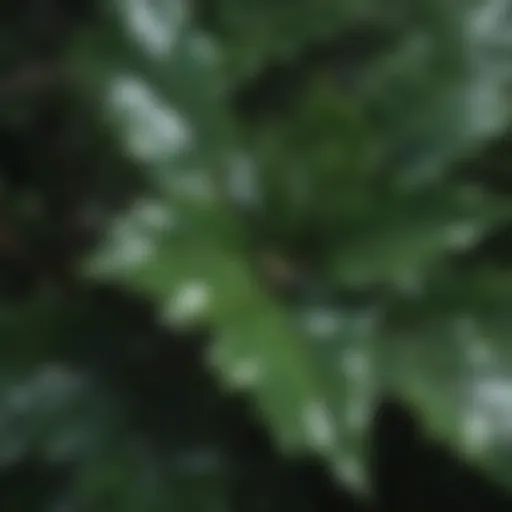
[{"x": 187, "y": 248}]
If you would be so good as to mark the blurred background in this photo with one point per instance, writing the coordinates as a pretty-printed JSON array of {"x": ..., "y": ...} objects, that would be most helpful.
[{"x": 255, "y": 255}]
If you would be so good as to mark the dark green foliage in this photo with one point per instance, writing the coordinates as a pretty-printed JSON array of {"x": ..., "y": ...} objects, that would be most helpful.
[{"x": 172, "y": 339}]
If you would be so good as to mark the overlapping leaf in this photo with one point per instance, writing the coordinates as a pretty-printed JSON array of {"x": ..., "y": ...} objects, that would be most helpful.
[{"x": 194, "y": 262}]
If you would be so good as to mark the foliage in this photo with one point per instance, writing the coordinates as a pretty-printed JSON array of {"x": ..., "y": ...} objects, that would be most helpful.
[{"x": 307, "y": 203}]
